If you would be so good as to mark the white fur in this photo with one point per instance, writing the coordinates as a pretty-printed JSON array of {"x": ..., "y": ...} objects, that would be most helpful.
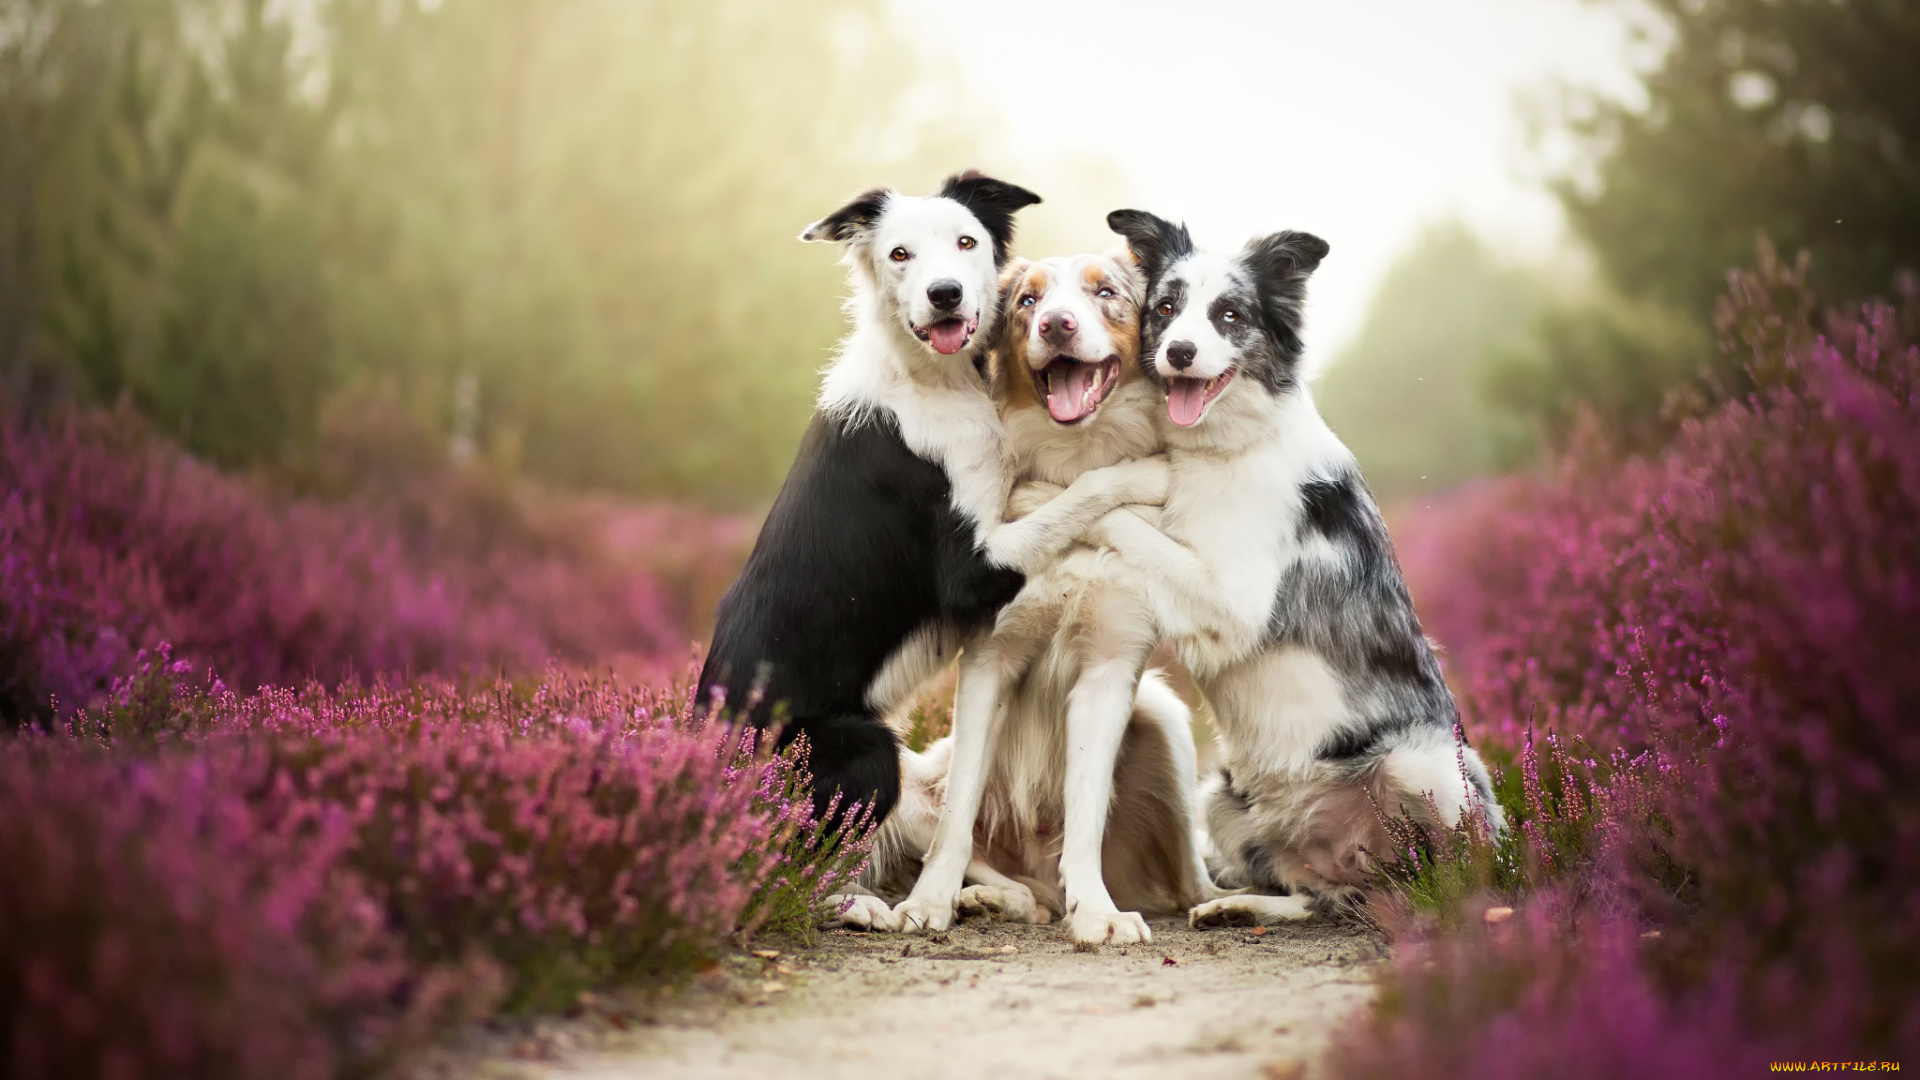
[
  {"x": 1228, "y": 535},
  {"x": 1249, "y": 910},
  {"x": 943, "y": 412},
  {"x": 1075, "y": 640},
  {"x": 1206, "y": 276},
  {"x": 945, "y": 416}
]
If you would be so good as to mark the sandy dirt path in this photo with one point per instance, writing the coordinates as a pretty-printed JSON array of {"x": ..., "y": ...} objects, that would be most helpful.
[{"x": 1004, "y": 1002}]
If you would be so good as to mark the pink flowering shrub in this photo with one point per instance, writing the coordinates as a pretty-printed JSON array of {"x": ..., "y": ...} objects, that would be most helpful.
[
  {"x": 308, "y": 883},
  {"x": 110, "y": 541},
  {"x": 1722, "y": 638},
  {"x": 153, "y": 923}
]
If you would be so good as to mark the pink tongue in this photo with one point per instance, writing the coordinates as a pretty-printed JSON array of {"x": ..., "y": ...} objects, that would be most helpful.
[
  {"x": 948, "y": 337},
  {"x": 1185, "y": 399},
  {"x": 1067, "y": 387}
]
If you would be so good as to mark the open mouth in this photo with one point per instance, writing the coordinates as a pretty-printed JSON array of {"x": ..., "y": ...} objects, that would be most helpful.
[
  {"x": 1188, "y": 398},
  {"x": 1074, "y": 389},
  {"x": 948, "y": 336}
]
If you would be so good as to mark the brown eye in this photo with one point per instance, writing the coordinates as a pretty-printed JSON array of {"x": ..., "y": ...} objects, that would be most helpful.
[
  {"x": 1165, "y": 310},
  {"x": 1230, "y": 315},
  {"x": 899, "y": 255},
  {"x": 967, "y": 243}
]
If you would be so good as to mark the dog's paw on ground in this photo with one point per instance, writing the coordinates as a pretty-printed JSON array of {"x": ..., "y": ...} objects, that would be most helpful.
[
  {"x": 924, "y": 916},
  {"x": 859, "y": 911},
  {"x": 1248, "y": 911},
  {"x": 1013, "y": 905},
  {"x": 1109, "y": 927}
]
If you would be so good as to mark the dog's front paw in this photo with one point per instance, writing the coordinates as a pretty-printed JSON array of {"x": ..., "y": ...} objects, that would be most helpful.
[
  {"x": 860, "y": 911},
  {"x": 1248, "y": 910},
  {"x": 1108, "y": 927},
  {"x": 918, "y": 915},
  {"x": 1015, "y": 904}
]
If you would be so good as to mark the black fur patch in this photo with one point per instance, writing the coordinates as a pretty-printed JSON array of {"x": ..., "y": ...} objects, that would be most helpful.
[
  {"x": 1257, "y": 859},
  {"x": 1281, "y": 264},
  {"x": 1360, "y": 741},
  {"x": 1333, "y": 509},
  {"x": 861, "y": 549},
  {"x": 851, "y": 220},
  {"x": 1228, "y": 791},
  {"x": 1358, "y": 616},
  {"x": 994, "y": 202},
  {"x": 1156, "y": 243}
]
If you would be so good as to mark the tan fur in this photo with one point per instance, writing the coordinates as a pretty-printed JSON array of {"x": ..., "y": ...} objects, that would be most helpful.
[
  {"x": 1075, "y": 614},
  {"x": 1147, "y": 856}
]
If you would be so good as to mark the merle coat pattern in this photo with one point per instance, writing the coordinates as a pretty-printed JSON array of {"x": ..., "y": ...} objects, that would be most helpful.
[{"x": 1273, "y": 575}]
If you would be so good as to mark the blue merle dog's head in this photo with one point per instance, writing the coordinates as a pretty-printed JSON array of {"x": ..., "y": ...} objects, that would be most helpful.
[{"x": 1215, "y": 321}]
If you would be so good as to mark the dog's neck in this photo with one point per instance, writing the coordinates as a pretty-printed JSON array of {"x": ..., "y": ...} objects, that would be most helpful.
[{"x": 940, "y": 405}]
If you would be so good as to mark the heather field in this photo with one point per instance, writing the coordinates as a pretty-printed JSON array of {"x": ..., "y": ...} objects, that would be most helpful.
[
  {"x": 297, "y": 787},
  {"x": 294, "y": 786},
  {"x": 1696, "y": 667},
  {"x": 391, "y": 389}
]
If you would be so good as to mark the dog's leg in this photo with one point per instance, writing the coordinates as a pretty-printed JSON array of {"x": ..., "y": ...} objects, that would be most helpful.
[
  {"x": 1250, "y": 910},
  {"x": 995, "y": 893},
  {"x": 857, "y": 907},
  {"x": 1097, "y": 712},
  {"x": 852, "y": 756},
  {"x": 1034, "y": 542},
  {"x": 976, "y": 713},
  {"x": 1156, "y": 701}
]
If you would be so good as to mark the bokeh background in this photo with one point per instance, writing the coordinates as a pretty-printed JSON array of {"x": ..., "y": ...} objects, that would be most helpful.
[
  {"x": 325, "y": 239},
  {"x": 390, "y": 388}
]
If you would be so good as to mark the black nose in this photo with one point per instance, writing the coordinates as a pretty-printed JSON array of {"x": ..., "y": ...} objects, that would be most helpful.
[
  {"x": 1180, "y": 354},
  {"x": 945, "y": 295}
]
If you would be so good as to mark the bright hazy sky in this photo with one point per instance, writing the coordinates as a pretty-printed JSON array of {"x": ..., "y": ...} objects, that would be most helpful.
[{"x": 1359, "y": 120}]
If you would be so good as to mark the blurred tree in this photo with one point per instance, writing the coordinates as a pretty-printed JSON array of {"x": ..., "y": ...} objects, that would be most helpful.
[
  {"x": 1796, "y": 121},
  {"x": 1404, "y": 393},
  {"x": 557, "y": 232}
]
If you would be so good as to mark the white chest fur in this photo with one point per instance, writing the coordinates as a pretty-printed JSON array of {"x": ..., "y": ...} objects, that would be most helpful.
[{"x": 1238, "y": 507}]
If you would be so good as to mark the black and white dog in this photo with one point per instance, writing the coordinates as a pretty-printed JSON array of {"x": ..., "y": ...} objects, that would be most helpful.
[
  {"x": 886, "y": 549},
  {"x": 1272, "y": 573}
]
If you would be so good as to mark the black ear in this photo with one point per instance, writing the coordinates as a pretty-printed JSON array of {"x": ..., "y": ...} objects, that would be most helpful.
[
  {"x": 852, "y": 220},
  {"x": 994, "y": 202},
  {"x": 1287, "y": 254},
  {"x": 1156, "y": 243},
  {"x": 1281, "y": 264}
]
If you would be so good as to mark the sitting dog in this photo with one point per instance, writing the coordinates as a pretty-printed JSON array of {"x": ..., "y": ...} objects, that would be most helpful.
[
  {"x": 886, "y": 550},
  {"x": 1054, "y": 685},
  {"x": 1014, "y": 871},
  {"x": 1272, "y": 573}
]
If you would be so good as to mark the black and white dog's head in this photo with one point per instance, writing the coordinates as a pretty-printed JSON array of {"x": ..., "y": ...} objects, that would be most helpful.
[
  {"x": 1215, "y": 321},
  {"x": 932, "y": 262}
]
